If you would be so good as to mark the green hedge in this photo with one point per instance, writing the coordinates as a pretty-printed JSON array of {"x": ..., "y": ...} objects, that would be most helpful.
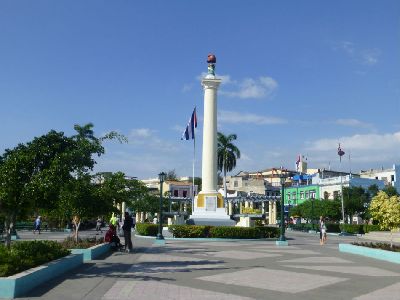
[
  {"x": 147, "y": 229},
  {"x": 190, "y": 231},
  {"x": 194, "y": 231},
  {"x": 303, "y": 226},
  {"x": 28, "y": 254}
]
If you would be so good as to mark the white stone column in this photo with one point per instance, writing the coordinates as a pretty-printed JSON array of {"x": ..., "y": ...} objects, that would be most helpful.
[
  {"x": 209, "y": 160},
  {"x": 270, "y": 213},
  {"x": 230, "y": 208}
]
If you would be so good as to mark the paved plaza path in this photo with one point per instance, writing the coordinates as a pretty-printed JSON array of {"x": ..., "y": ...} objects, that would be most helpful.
[{"x": 230, "y": 270}]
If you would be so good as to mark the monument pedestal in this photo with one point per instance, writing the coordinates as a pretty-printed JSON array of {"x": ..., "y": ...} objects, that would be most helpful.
[{"x": 209, "y": 209}]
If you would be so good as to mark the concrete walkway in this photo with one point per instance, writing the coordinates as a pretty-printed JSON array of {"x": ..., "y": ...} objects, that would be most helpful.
[{"x": 230, "y": 270}]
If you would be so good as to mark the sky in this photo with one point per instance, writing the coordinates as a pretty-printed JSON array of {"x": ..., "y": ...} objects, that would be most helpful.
[{"x": 298, "y": 77}]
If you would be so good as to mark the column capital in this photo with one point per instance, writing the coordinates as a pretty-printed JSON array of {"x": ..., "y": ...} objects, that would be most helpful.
[{"x": 210, "y": 83}]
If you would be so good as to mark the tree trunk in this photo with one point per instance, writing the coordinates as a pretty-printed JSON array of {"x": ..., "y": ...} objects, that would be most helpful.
[
  {"x": 7, "y": 228},
  {"x": 77, "y": 223},
  {"x": 225, "y": 191}
]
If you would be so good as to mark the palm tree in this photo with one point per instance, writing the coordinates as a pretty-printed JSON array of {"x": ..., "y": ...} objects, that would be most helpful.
[{"x": 228, "y": 153}]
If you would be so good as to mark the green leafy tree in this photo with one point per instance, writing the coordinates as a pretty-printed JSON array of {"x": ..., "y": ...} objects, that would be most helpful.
[
  {"x": 228, "y": 153},
  {"x": 32, "y": 175},
  {"x": 386, "y": 210},
  {"x": 171, "y": 175},
  {"x": 16, "y": 171},
  {"x": 390, "y": 191},
  {"x": 356, "y": 201}
]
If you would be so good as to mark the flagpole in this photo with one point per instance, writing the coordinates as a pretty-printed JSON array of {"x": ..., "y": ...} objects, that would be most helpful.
[{"x": 194, "y": 159}]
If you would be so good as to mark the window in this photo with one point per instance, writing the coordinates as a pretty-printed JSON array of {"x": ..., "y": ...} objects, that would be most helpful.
[
  {"x": 335, "y": 194},
  {"x": 235, "y": 184},
  {"x": 294, "y": 195},
  {"x": 175, "y": 193},
  {"x": 307, "y": 195},
  {"x": 301, "y": 195},
  {"x": 288, "y": 195},
  {"x": 312, "y": 194},
  {"x": 184, "y": 194},
  {"x": 391, "y": 178},
  {"x": 326, "y": 195}
]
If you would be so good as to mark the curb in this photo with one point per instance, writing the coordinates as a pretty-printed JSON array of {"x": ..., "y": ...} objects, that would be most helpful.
[
  {"x": 205, "y": 239},
  {"x": 92, "y": 252},
  {"x": 390, "y": 256},
  {"x": 19, "y": 284}
]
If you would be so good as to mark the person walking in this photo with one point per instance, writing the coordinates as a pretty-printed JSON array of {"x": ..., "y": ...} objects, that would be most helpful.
[
  {"x": 127, "y": 227},
  {"x": 98, "y": 225},
  {"x": 322, "y": 231},
  {"x": 38, "y": 223}
]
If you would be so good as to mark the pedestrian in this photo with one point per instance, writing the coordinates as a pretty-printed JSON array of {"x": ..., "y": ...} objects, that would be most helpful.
[
  {"x": 127, "y": 227},
  {"x": 112, "y": 238},
  {"x": 98, "y": 225},
  {"x": 113, "y": 220},
  {"x": 322, "y": 231},
  {"x": 37, "y": 224}
]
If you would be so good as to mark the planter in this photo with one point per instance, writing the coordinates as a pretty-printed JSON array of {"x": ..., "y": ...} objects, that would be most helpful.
[
  {"x": 92, "y": 252},
  {"x": 390, "y": 256},
  {"x": 21, "y": 283}
]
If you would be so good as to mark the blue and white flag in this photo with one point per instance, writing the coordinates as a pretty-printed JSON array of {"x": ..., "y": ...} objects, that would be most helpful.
[{"x": 188, "y": 134}]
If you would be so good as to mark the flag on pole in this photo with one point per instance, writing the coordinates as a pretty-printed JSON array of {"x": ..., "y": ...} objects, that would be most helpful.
[
  {"x": 188, "y": 134},
  {"x": 340, "y": 152}
]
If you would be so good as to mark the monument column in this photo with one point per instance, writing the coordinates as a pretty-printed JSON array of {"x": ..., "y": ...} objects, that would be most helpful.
[
  {"x": 209, "y": 162},
  {"x": 209, "y": 208}
]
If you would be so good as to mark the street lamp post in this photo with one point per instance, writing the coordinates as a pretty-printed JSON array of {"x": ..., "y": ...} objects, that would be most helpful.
[
  {"x": 312, "y": 213},
  {"x": 162, "y": 177},
  {"x": 282, "y": 238}
]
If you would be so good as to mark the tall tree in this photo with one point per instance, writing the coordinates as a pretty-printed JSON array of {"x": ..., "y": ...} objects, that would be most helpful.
[
  {"x": 356, "y": 201},
  {"x": 228, "y": 153}
]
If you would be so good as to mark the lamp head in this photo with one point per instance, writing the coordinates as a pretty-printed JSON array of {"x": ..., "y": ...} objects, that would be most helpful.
[{"x": 162, "y": 176}]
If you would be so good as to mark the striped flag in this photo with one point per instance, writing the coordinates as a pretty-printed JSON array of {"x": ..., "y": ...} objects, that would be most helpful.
[{"x": 188, "y": 134}]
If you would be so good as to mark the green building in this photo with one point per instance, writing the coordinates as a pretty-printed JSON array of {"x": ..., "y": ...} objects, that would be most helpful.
[{"x": 296, "y": 195}]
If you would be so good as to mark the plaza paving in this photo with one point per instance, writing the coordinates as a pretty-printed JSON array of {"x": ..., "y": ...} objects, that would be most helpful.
[{"x": 228, "y": 270}]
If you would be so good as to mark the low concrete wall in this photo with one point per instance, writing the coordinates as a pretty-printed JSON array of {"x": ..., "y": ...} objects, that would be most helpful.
[
  {"x": 92, "y": 252},
  {"x": 390, "y": 256},
  {"x": 21, "y": 283}
]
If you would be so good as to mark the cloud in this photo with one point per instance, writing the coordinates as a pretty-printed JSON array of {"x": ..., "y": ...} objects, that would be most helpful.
[
  {"x": 258, "y": 88},
  {"x": 233, "y": 117},
  {"x": 345, "y": 46},
  {"x": 141, "y": 132},
  {"x": 370, "y": 56},
  {"x": 353, "y": 123},
  {"x": 262, "y": 87},
  {"x": 367, "y": 56},
  {"x": 187, "y": 87},
  {"x": 364, "y": 142}
]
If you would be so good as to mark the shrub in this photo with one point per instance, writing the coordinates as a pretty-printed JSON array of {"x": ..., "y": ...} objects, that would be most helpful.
[
  {"x": 147, "y": 229},
  {"x": 69, "y": 243},
  {"x": 28, "y": 254},
  {"x": 268, "y": 232},
  {"x": 303, "y": 226},
  {"x": 194, "y": 231},
  {"x": 233, "y": 232},
  {"x": 383, "y": 246},
  {"x": 332, "y": 227},
  {"x": 189, "y": 231}
]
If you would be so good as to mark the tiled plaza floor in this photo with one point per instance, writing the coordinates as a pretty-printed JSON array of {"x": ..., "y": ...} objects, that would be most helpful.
[{"x": 230, "y": 270}]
